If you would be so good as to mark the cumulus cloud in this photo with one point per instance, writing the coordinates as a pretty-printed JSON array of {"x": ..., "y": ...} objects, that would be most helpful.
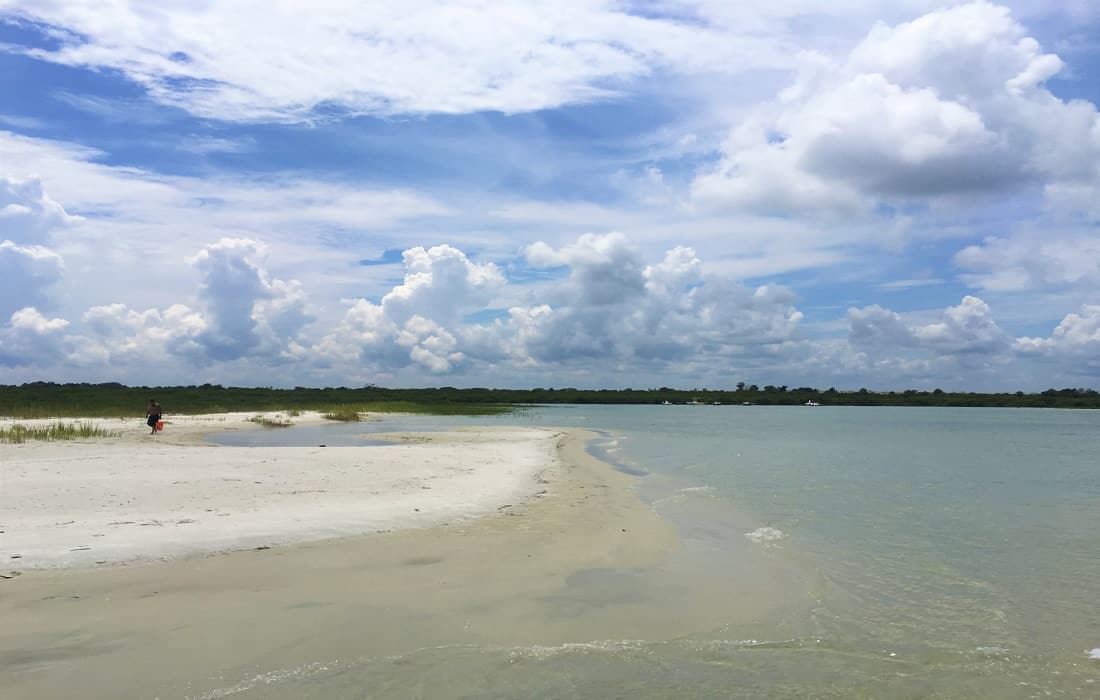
[
  {"x": 27, "y": 213},
  {"x": 610, "y": 311},
  {"x": 30, "y": 338},
  {"x": 899, "y": 120},
  {"x": 25, "y": 274},
  {"x": 409, "y": 326},
  {"x": 243, "y": 313},
  {"x": 117, "y": 334},
  {"x": 441, "y": 283},
  {"x": 419, "y": 57},
  {"x": 613, "y": 314},
  {"x": 613, "y": 309},
  {"x": 964, "y": 330},
  {"x": 246, "y": 312},
  {"x": 1077, "y": 335},
  {"x": 28, "y": 267}
]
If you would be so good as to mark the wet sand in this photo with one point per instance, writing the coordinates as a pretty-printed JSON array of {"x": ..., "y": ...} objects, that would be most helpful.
[{"x": 221, "y": 624}]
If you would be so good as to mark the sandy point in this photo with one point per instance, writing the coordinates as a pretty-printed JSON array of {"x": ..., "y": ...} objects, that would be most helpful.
[{"x": 135, "y": 498}]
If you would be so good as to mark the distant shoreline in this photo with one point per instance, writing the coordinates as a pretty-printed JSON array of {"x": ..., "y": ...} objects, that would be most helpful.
[{"x": 46, "y": 399}]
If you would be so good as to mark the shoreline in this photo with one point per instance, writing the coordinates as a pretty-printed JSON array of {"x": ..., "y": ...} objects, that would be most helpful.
[{"x": 107, "y": 631}]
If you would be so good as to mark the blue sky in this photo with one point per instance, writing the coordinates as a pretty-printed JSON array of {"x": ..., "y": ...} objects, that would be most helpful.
[{"x": 684, "y": 193}]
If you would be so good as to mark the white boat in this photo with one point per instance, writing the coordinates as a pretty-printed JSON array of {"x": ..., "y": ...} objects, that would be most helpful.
[{"x": 811, "y": 402}]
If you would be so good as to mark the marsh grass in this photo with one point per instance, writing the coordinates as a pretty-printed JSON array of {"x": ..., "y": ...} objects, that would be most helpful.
[
  {"x": 55, "y": 431},
  {"x": 345, "y": 414},
  {"x": 270, "y": 422}
]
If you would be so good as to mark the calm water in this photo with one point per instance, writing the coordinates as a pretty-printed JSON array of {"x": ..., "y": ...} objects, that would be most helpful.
[{"x": 891, "y": 552}]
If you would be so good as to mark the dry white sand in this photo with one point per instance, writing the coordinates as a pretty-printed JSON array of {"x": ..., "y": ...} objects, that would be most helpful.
[
  {"x": 546, "y": 571},
  {"x": 136, "y": 498}
]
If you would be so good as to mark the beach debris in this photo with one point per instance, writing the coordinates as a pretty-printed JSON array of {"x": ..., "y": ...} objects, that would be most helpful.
[
  {"x": 17, "y": 556},
  {"x": 262, "y": 546},
  {"x": 1095, "y": 653},
  {"x": 80, "y": 549},
  {"x": 10, "y": 575}
]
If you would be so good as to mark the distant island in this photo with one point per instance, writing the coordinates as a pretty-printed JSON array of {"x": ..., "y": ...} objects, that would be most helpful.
[{"x": 43, "y": 399}]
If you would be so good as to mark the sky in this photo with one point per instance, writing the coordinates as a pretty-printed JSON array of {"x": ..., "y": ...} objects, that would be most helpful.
[{"x": 585, "y": 193}]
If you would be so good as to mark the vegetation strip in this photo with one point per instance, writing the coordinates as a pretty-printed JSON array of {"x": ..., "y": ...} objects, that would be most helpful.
[
  {"x": 55, "y": 431},
  {"x": 47, "y": 399}
]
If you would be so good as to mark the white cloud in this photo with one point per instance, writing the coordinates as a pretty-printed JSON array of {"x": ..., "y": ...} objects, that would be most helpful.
[
  {"x": 614, "y": 309},
  {"x": 280, "y": 63},
  {"x": 968, "y": 328},
  {"x": 25, "y": 274},
  {"x": 874, "y": 326},
  {"x": 1032, "y": 261},
  {"x": 247, "y": 313},
  {"x": 144, "y": 222},
  {"x": 441, "y": 284},
  {"x": 950, "y": 104},
  {"x": 244, "y": 315},
  {"x": 28, "y": 267},
  {"x": 410, "y": 325},
  {"x": 27, "y": 213},
  {"x": 1077, "y": 335},
  {"x": 964, "y": 330},
  {"x": 30, "y": 338},
  {"x": 116, "y": 335}
]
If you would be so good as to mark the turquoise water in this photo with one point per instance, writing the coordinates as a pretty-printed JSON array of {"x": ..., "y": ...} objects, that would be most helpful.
[{"x": 892, "y": 553}]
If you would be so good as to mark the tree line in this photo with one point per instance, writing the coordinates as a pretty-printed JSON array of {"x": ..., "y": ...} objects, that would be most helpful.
[{"x": 112, "y": 399}]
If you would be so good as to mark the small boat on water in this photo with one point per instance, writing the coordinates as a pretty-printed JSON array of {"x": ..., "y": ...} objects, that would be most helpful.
[{"x": 811, "y": 402}]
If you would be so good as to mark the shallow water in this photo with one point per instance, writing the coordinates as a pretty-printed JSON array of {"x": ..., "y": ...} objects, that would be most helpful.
[{"x": 892, "y": 553}]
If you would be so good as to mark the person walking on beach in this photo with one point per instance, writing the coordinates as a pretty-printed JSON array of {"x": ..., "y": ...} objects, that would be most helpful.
[{"x": 152, "y": 415}]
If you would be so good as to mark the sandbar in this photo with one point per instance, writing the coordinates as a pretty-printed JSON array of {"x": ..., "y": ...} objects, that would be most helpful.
[
  {"x": 137, "y": 498},
  {"x": 519, "y": 564}
]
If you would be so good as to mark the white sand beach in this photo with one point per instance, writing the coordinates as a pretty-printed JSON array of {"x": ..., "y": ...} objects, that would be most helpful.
[
  {"x": 507, "y": 518},
  {"x": 139, "y": 498}
]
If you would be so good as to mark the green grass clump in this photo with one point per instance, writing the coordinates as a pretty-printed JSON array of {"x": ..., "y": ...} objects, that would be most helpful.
[
  {"x": 270, "y": 422},
  {"x": 346, "y": 414},
  {"x": 55, "y": 431}
]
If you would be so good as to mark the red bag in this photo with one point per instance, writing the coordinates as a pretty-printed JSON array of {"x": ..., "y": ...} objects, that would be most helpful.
[{"x": 160, "y": 425}]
